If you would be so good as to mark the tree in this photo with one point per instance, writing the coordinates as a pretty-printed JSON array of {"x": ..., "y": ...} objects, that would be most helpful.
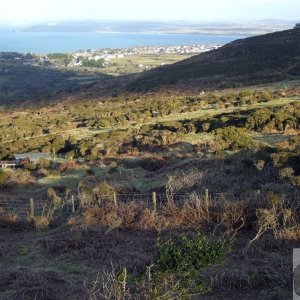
[{"x": 92, "y": 63}]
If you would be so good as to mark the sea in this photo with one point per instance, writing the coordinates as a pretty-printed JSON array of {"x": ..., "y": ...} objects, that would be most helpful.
[{"x": 53, "y": 42}]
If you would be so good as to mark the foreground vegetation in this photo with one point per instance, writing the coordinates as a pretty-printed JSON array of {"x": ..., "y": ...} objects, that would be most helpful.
[{"x": 170, "y": 253}]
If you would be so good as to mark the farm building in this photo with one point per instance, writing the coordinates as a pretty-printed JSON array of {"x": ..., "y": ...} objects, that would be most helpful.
[
  {"x": 31, "y": 157},
  {"x": 7, "y": 164}
]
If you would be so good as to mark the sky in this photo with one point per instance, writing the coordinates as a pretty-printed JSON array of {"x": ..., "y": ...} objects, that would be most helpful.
[{"x": 37, "y": 11}]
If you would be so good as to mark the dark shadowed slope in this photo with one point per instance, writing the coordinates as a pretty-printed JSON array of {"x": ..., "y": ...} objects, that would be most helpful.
[{"x": 266, "y": 58}]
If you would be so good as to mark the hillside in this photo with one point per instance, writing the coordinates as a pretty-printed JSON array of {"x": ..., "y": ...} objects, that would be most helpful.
[
  {"x": 159, "y": 195},
  {"x": 261, "y": 59}
]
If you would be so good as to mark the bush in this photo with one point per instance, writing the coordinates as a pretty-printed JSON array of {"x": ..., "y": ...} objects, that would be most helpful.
[
  {"x": 286, "y": 173},
  {"x": 232, "y": 138},
  {"x": 70, "y": 165},
  {"x": 4, "y": 177},
  {"x": 54, "y": 173},
  {"x": 30, "y": 166},
  {"x": 86, "y": 195},
  {"x": 40, "y": 222},
  {"x": 185, "y": 259},
  {"x": 259, "y": 164},
  {"x": 92, "y": 63},
  {"x": 56, "y": 200},
  {"x": 44, "y": 163},
  {"x": 105, "y": 193},
  {"x": 113, "y": 166},
  {"x": 22, "y": 177}
]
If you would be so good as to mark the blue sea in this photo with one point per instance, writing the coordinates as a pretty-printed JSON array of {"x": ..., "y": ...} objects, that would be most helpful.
[{"x": 51, "y": 42}]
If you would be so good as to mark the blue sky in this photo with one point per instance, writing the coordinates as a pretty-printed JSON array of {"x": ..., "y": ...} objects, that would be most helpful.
[{"x": 31, "y": 11}]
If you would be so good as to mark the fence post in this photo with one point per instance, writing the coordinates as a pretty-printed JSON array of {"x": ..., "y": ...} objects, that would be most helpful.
[
  {"x": 73, "y": 204},
  {"x": 206, "y": 195},
  {"x": 154, "y": 202},
  {"x": 115, "y": 199},
  {"x": 31, "y": 207}
]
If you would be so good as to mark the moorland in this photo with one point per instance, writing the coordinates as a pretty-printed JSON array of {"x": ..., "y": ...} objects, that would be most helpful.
[{"x": 162, "y": 185}]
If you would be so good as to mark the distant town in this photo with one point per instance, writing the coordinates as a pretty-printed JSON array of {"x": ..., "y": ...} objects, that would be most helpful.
[{"x": 101, "y": 57}]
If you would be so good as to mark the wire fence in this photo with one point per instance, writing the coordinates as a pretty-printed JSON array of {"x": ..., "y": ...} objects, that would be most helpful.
[{"x": 26, "y": 205}]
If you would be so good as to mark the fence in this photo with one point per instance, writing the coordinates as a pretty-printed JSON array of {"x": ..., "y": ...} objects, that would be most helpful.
[{"x": 24, "y": 206}]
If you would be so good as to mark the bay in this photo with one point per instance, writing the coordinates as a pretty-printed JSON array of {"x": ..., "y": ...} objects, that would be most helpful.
[{"x": 51, "y": 42}]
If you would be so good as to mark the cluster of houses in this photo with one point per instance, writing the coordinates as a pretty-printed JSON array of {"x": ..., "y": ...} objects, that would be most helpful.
[
  {"x": 19, "y": 159},
  {"x": 108, "y": 54}
]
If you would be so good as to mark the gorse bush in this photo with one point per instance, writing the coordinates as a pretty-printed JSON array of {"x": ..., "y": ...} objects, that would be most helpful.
[
  {"x": 189, "y": 255},
  {"x": 184, "y": 260},
  {"x": 175, "y": 274},
  {"x": 232, "y": 138}
]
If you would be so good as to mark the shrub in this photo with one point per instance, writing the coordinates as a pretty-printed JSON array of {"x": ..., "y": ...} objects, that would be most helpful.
[
  {"x": 70, "y": 165},
  {"x": 185, "y": 259},
  {"x": 30, "y": 166},
  {"x": 44, "y": 163},
  {"x": 259, "y": 165},
  {"x": 40, "y": 222},
  {"x": 295, "y": 180},
  {"x": 105, "y": 193},
  {"x": 43, "y": 172},
  {"x": 56, "y": 201},
  {"x": 21, "y": 177},
  {"x": 102, "y": 216},
  {"x": 86, "y": 195},
  {"x": 232, "y": 138},
  {"x": 286, "y": 173},
  {"x": 206, "y": 126},
  {"x": 43, "y": 220},
  {"x": 113, "y": 166},
  {"x": 4, "y": 177},
  {"x": 112, "y": 285},
  {"x": 7, "y": 220},
  {"x": 54, "y": 173},
  {"x": 276, "y": 218}
]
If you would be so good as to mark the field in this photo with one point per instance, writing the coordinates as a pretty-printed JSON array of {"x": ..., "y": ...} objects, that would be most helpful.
[{"x": 138, "y": 63}]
